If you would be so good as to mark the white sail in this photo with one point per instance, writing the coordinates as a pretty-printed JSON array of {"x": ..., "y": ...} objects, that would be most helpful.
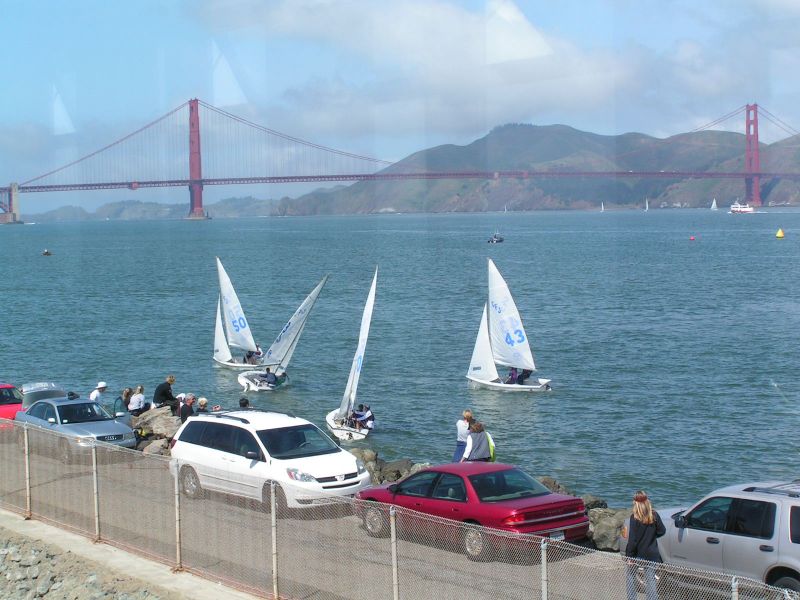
[
  {"x": 281, "y": 350},
  {"x": 221, "y": 351},
  {"x": 510, "y": 346},
  {"x": 714, "y": 204},
  {"x": 349, "y": 397},
  {"x": 236, "y": 325},
  {"x": 602, "y": 207},
  {"x": 482, "y": 364},
  {"x": 646, "y": 205}
]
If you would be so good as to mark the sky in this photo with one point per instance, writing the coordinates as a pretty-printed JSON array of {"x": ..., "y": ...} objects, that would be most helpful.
[{"x": 381, "y": 78}]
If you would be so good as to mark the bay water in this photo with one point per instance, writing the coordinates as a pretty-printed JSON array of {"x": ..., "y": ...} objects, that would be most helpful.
[{"x": 674, "y": 360}]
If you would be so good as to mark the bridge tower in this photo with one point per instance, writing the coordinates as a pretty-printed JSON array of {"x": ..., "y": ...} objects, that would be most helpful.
[
  {"x": 195, "y": 165},
  {"x": 752, "y": 162}
]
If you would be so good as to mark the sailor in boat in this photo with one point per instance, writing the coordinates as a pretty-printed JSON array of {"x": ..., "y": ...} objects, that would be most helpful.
[
  {"x": 269, "y": 377},
  {"x": 512, "y": 376},
  {"x": 362, "y": 418}
]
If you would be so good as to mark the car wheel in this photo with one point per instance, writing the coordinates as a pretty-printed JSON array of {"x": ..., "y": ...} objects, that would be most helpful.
[
  {"x": 190, "y": 483},
  {"x": 376, "y": 522},
  {"x": 280, "y": 499},
  {"x": 788, "y": 583},
  {"x": 476, "y": 543}
]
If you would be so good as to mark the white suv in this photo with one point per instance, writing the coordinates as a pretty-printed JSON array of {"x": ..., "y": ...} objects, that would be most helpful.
[
  {"x": 749, "y": 529},
  {"x": 240, "y": 452}
]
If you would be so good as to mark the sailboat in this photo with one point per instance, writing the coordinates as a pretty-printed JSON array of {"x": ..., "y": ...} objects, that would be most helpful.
[
  {"x": 602, "y": 207},
  {"x": 502, "y": 341},
  {"x": 714, "y": 204},
  {"x": 496, "y": 238},
  {"x": 337, "y": 418},
  {"x": 280, "y": 352},
  {"x": 646, "y": 205},
  {"x": 236, "y": 333}
]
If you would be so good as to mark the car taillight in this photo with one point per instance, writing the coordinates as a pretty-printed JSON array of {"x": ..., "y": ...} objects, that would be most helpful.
[{"x": 513, "y": 520}]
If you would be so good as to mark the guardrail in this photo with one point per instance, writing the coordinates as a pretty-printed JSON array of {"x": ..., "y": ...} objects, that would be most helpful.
[{"x": 132, "y": 500}]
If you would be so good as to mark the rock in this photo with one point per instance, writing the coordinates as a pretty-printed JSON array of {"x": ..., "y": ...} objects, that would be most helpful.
[
  {"x": 392, "y": 471},
  {"x": 158, "y": 422},
  {"x": 158, "y": 447},
  {"x": 418, "y": 467},
  {"x": 365, "y": 454},
  {"x": 591, "y": 501},
  {"x": 553, "y": 485},
  {"x": 605, "y": 527}
]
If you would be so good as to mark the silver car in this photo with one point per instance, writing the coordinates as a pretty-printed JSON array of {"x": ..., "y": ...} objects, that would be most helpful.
[{"x": 83, "y": 422}]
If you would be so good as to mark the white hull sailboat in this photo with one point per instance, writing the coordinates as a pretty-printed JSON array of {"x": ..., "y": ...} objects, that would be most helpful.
[
  {"x": 714, "y": 204},
  {"x": 602, "y": 207},
  {"x": 502, "y": 341},
  {"x": 336, "y": 420},
  {"x": 646, "y": 205},
  {"x": 280, "y": 352}
]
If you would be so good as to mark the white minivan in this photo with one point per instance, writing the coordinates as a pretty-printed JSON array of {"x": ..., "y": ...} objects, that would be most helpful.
[{"x": 240, "y": 452}]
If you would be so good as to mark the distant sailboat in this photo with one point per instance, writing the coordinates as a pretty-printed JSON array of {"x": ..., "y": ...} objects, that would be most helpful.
[
  {"x": 602, "y": 207},
  {"x": 714, "y": 204},
  {"x": 646, "y": 205}
]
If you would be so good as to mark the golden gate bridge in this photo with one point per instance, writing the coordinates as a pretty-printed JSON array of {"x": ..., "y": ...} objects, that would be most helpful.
[{"x": 237, "y": 151}]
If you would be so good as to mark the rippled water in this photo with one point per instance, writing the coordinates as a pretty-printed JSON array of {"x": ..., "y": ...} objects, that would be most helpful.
[{"x": 674, "y": 362}]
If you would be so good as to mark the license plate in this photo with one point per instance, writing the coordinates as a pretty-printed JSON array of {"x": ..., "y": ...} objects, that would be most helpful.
[
  {"x": 111, "y": 438},
  {"x": 557, "y": 535}
]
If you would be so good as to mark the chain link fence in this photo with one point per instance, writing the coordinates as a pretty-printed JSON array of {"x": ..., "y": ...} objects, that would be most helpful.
[{"x": 345, "y": 549}]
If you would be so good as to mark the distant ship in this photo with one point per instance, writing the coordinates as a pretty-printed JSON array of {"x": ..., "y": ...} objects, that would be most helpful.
[{"x": 737, "y": 208}]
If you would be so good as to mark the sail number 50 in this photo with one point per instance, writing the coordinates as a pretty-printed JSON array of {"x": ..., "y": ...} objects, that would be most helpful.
[
  {"x": 520, "y": 337},
  {"x": 239, "y": 324}
]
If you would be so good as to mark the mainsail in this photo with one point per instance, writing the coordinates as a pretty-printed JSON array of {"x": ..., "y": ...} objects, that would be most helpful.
[
  {"x": 281, "y": 350},
  {"x": 509, "y": 343},
  {"x": 349, "y": 397},
  {"x": 236, "y": 326},
  {"x": 222, "y": 352}
]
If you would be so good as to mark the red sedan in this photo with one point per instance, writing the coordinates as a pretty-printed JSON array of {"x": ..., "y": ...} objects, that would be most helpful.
[
  {"x": 10, "y": 401},
  {"x": 493, "y": 495}
]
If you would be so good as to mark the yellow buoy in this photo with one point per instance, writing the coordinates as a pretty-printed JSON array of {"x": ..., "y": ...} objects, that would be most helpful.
[{"x": 779, "y": 235}]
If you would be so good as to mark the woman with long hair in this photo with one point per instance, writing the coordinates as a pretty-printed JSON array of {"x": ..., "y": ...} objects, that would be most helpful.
[{"x": 642, "y": 548}]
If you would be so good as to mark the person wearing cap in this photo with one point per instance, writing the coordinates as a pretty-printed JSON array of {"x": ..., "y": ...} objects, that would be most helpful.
[
  {"x": 96, "y": 395},
  {"x": 162, "y": 396}
]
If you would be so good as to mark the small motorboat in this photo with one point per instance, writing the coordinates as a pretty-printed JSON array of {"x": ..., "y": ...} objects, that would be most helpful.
[
  {"x": 46, "y": 252},
  {"x": 496, "y": 238}
]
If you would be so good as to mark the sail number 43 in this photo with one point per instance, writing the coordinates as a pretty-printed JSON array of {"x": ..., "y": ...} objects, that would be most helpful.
[{"x": 515, "y": 337}]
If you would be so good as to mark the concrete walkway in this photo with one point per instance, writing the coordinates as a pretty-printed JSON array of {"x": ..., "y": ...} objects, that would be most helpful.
[{"x": 149, "y": 572}]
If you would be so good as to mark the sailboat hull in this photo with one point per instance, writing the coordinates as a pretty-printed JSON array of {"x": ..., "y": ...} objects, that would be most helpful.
[
  {"x": 241, "y": 366},
  {"x": 251, "y": 381},
  {"x": 540, "y": 385},
  {"x": 342, "y": 431}
]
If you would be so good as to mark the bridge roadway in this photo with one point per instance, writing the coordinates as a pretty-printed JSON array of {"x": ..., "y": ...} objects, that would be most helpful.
[{"x": 322, "y": 553}]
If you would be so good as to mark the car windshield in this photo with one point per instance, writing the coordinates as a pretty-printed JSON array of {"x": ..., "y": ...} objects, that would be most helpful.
[
  {"x": 509, "y": 484},
  {"x": 84, "y": 412},
  {"x": 296, "y": 442},
  {"x": 10, "y": 395}
]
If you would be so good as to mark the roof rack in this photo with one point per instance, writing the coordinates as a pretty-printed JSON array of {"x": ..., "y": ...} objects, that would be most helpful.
[
  {"x": 791, "y": 489},
  {"x": 226, "y": 415}
]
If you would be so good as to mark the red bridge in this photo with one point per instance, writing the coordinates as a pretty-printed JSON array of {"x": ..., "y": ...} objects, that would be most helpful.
[{"x": 236, "y": 149}]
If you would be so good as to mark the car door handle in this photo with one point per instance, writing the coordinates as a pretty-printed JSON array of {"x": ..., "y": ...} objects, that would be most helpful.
[
  {"x": 766, "y": 548},
  {"x": 712, "y": 540}
]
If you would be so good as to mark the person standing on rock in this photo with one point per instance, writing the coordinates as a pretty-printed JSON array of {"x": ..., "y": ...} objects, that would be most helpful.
[
  {"x": 642, "y": 548},
  {"x": 162, "y": 396},
  {"x": 462, "y": 433}
]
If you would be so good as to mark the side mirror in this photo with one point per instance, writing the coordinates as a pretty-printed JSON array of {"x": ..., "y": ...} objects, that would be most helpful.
[
  {"x": 51, "y": 420},
  {"x": 392, "y": 488},
  {"x": 252, "y": 455},
  {"x": 680, "y": 521},
  {"x": 120, "y": 414}
]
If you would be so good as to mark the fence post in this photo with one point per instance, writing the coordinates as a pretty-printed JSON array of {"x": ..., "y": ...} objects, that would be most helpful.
[
  {"x": 543, "y": 545},
  {"x": 734, "y": 588},
  {"x": 178, "y": 557},
  {"x": 393, "y": 538},
  {"x": 26, "y": 444},
  {"x": 273, "y": 511},
  {"x": 96, "y": 494}
]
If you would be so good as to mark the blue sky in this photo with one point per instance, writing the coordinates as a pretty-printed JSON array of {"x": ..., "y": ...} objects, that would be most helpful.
[{"x": 382, "y": 78}]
